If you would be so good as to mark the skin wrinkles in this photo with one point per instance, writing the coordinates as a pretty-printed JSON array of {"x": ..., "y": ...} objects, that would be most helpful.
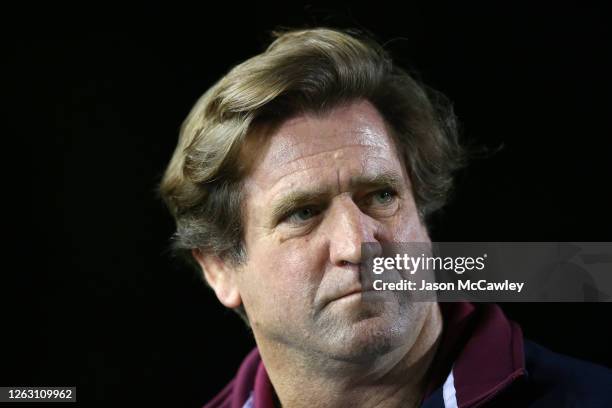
[
  {"x": 321, "y": 187},
  {"x": 326, "y": 159},
  {"x": 365, "y": 133}
]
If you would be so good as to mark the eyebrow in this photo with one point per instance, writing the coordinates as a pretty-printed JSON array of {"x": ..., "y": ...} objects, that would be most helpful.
[
  {"x": 301, "y": 198},
  {"x": 385, "y": 179},
  {"x": 297, "y": 199}
]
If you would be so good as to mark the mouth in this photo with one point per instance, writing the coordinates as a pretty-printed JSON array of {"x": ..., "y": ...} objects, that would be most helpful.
[
  {"x": 349, "y": 297},
  {"x": 349, "y": 294}
]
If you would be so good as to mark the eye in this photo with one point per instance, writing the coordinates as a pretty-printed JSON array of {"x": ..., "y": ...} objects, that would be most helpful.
[
  {"x": 302, "y": 215},
  {"x": 383, "y": 197}
]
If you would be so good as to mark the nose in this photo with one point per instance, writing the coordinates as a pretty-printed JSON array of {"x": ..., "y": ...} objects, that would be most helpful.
[{"x": 348, "y": 228}]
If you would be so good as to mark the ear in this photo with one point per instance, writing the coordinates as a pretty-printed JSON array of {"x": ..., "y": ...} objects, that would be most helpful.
[{"x": 220, "y": 276}]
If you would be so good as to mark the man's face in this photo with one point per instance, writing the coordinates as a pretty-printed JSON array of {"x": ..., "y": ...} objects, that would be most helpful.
[{"x": 322, "y": 187}]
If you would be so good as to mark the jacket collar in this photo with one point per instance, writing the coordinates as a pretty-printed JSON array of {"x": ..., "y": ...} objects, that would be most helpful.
[{"x": 480, "y": 354}]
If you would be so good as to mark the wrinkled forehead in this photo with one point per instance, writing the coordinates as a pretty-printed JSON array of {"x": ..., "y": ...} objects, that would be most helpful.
[{"x": 350, "y": 134}]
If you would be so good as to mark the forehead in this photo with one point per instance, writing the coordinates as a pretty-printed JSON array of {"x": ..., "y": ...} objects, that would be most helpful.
[{"x": 353, "y": 135}]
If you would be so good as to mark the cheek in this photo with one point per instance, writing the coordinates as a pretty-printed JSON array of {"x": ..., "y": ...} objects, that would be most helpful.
[
  {"x": 408, "y": 226},
  {"x": 282, "y": 276}
]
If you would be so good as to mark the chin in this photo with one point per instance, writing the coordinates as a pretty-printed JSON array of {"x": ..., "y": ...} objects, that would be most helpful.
[
  {"x": 367, "y": 331},
  {"x": 368, "y": 339}
]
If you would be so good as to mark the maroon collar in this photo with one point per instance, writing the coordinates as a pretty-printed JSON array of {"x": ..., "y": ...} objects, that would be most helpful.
[{"x": 479, "y": 344}]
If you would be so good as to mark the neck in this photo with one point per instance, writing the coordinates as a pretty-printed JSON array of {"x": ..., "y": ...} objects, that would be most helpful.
[{"x": 395, "y": 379}]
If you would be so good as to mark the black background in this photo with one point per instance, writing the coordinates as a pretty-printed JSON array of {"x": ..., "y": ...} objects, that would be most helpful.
[{"x": 94, "y": 99}]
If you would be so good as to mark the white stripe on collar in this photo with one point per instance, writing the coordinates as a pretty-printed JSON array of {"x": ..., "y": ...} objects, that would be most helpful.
[{"x": 448, "y": 392}]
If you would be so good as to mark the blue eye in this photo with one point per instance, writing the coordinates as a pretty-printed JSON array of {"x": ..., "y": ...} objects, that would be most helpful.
[
  {"x": 384, "y": 196},
  {"x": 301, "y": 215}
]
